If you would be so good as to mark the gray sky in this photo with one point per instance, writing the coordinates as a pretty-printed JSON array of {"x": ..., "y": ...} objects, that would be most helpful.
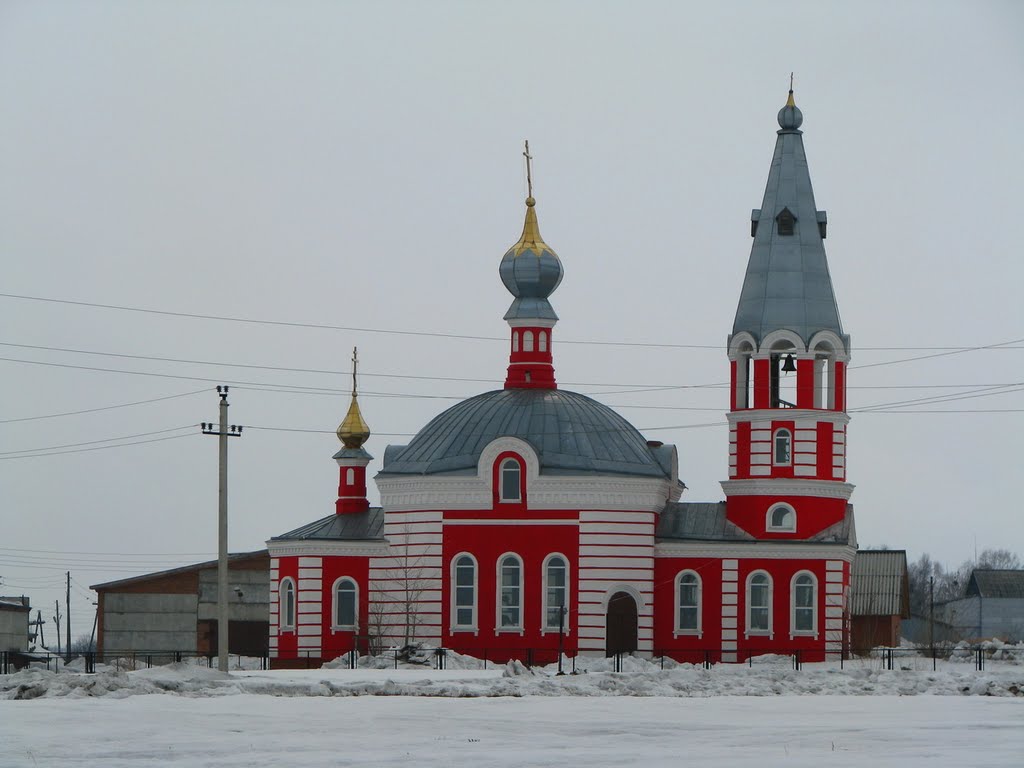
[{"x": 360, "y": 165}]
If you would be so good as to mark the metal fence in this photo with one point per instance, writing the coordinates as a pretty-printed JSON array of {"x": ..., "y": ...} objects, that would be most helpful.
[{"x": 438, "y": 658}]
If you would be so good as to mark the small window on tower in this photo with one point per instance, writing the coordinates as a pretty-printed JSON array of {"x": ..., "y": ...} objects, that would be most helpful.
[
  {"x": 783, "y": 443},
  {"x": 785, "y": 221},
  {"x": 782, "y": 517}
]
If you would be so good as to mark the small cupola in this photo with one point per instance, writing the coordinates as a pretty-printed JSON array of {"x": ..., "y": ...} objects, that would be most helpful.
[
  {"x": 352, "y": 458},
  {"x": 531, "y": 271}
]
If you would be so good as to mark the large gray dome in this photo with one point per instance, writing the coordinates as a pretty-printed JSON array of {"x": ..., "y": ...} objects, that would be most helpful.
[{"x": 570, "y": 432}]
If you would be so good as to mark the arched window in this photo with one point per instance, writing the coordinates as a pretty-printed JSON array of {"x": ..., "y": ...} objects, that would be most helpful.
[
  {"x": 350, "y": 476},
  {"x": 542, "y": 342},
  {"x": 510, "y": 593},
  {"x": 805, "y": 604},
  {"x": 759, "y": 604},
  {"x": 287, "y": 604},
  {"x": 782, "y": 448},
  {"x": 688, "y": 603},
  {"x": 744, "y": 375},
  {"x": 515, "y": 341},
  {"x": 528, "y": 341},
  {"x": 556, "y": 593},
  {"x": 464, "y": 592},
  {"x": 781, "y": 517},
  {"x": 510, "y": 478},
  {"x": 346, "y": 601}
]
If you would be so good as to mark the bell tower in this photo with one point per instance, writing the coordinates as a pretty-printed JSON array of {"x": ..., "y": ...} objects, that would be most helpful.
[{"x": 787, "y": 357}]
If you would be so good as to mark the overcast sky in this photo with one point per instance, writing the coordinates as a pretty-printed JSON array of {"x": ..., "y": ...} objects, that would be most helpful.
[{"x": 359, "y": 165}]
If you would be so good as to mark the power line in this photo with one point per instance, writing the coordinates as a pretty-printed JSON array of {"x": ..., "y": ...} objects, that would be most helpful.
[
  {"x": 97, "y": 448},
  {"x": 104, "y": 440},
  {"x": 252, "y": 366},
  {"x": 398, "y": 332},
  {"x": 102, "y": 408}
]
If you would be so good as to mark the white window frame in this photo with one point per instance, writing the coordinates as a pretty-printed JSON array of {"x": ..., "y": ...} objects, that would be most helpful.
[
  {"x": 747, "y": 630},
  {"x": 287, "y": 623},
  {"x": 544, "y": 627},
  {"x": 510, "y": 461},
  {"x": 677, "y": 629},
  {"x": 499, "y": 588},
  {"x": 527, "y": 341},
  {"x": 775, "y": 447},
  {"x": 542, "y": 341},
  {"x": 793, "y": 631},
  {"x": 453, "y": 583},
  {"x": 769, "y": 524},
  {"x": 335, "y": 603},
  {"x": 350, "y": 476},
  {"x": 515, "y": 341}
]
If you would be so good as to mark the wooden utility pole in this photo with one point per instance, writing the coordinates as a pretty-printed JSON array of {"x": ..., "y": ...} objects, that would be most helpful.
[
  {"x": 223, "y": 432},
  {"x": 56, "y": 618},
  {"x": 67, "y": 620}
]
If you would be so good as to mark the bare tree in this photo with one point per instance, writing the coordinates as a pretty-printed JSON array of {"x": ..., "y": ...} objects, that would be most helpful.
[{"x": 397, "y": 612}]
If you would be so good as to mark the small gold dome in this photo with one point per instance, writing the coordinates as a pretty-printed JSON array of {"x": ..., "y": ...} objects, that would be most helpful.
[{"x": 353, "y": 431}]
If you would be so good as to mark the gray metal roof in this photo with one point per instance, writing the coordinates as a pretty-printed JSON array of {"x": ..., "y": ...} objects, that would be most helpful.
[
  {"x": 570, "y": 432},
  {"x": 996, "y": 583},
  {"x": 706, "y": 521},
  {"x": 879, "y": 584},
  {"x": 703, "y": 521},
  {"x": 787, "y": 284},
  {"x": 357, "y": 526}
]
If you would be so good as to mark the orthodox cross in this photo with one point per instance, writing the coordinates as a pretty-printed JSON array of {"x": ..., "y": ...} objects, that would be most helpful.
[
  {"x": 529, "y": 176},
  {"x": 355, "y": 365}
]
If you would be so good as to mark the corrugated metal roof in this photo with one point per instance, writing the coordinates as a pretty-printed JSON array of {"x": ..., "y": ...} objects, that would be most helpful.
[
  {"x": 879, "y": 584},
  {"x": 991, "y": 582},
  {"x": 232, "y": 559},
  {"x": 570, "y": 432},
  {"x": 358, "y": 526},
  {"x": 787, "y": 283}
]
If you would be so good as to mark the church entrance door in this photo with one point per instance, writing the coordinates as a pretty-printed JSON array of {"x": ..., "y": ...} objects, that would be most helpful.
[{"x": 621, "y": 624}]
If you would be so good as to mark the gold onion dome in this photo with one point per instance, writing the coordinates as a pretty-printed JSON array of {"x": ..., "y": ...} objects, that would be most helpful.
[{"x": 353, "y": 431}]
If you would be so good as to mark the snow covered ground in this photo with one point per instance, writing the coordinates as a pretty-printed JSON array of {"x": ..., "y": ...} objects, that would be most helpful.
[{"x": 735, "y": 715}]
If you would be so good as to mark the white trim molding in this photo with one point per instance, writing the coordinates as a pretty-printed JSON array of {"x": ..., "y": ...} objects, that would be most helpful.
[
  {"x": 769, "y": 550},
  {"x": 325, "y": 548},
  {"x": 784, "y": 486},
  {"x": 768, "y": 415},
  {"x": 677, "y": 629}
]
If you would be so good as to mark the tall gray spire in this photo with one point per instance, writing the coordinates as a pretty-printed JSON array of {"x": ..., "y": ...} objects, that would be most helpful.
[{"x": 787, "y": 284}]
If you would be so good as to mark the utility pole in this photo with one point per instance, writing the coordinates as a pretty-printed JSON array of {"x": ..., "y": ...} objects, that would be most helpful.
[
  {"x": 223, "y": 433},
  {"x": 931, "y": 613},
  {"x": 67, "y": 622},
  {"x": 56, "y": 618}
]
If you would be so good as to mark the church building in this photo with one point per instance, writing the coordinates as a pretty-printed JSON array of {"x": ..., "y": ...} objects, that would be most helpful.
[{"x": 530, "y": 518}]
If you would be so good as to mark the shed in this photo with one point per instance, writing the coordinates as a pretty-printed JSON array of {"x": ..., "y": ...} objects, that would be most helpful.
[
  {"x": 879, "y": 598},
  {"x": 14, "y": 613},
  {"x": 176, "y": 610}
]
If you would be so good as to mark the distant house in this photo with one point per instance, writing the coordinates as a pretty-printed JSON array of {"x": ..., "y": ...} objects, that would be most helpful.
[
  {"x": 176, "y": 610},
  {"x": 879, "y": 598},
  {"x": 14, "y": 613},
  {"x": 992, "y": 606}
]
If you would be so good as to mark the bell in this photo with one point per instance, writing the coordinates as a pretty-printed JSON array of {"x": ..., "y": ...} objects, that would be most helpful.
[{"x": 788, "y": 365}]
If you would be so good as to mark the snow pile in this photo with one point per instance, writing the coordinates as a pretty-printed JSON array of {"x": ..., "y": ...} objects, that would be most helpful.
[
  {"x": 592, "y": 679},
  {"x": 994, "y": 649}
]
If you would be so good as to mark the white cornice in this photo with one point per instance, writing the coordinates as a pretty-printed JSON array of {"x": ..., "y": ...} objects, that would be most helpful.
[
  {"x": 792, "y": 550},
  {"x": 786, "y": 486},
  {"x": 531, "y": 322},
  {"x": 787, "y": 414},
  {"x": 318, "y": 548},
  {"x": 400, "y": 494}
]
